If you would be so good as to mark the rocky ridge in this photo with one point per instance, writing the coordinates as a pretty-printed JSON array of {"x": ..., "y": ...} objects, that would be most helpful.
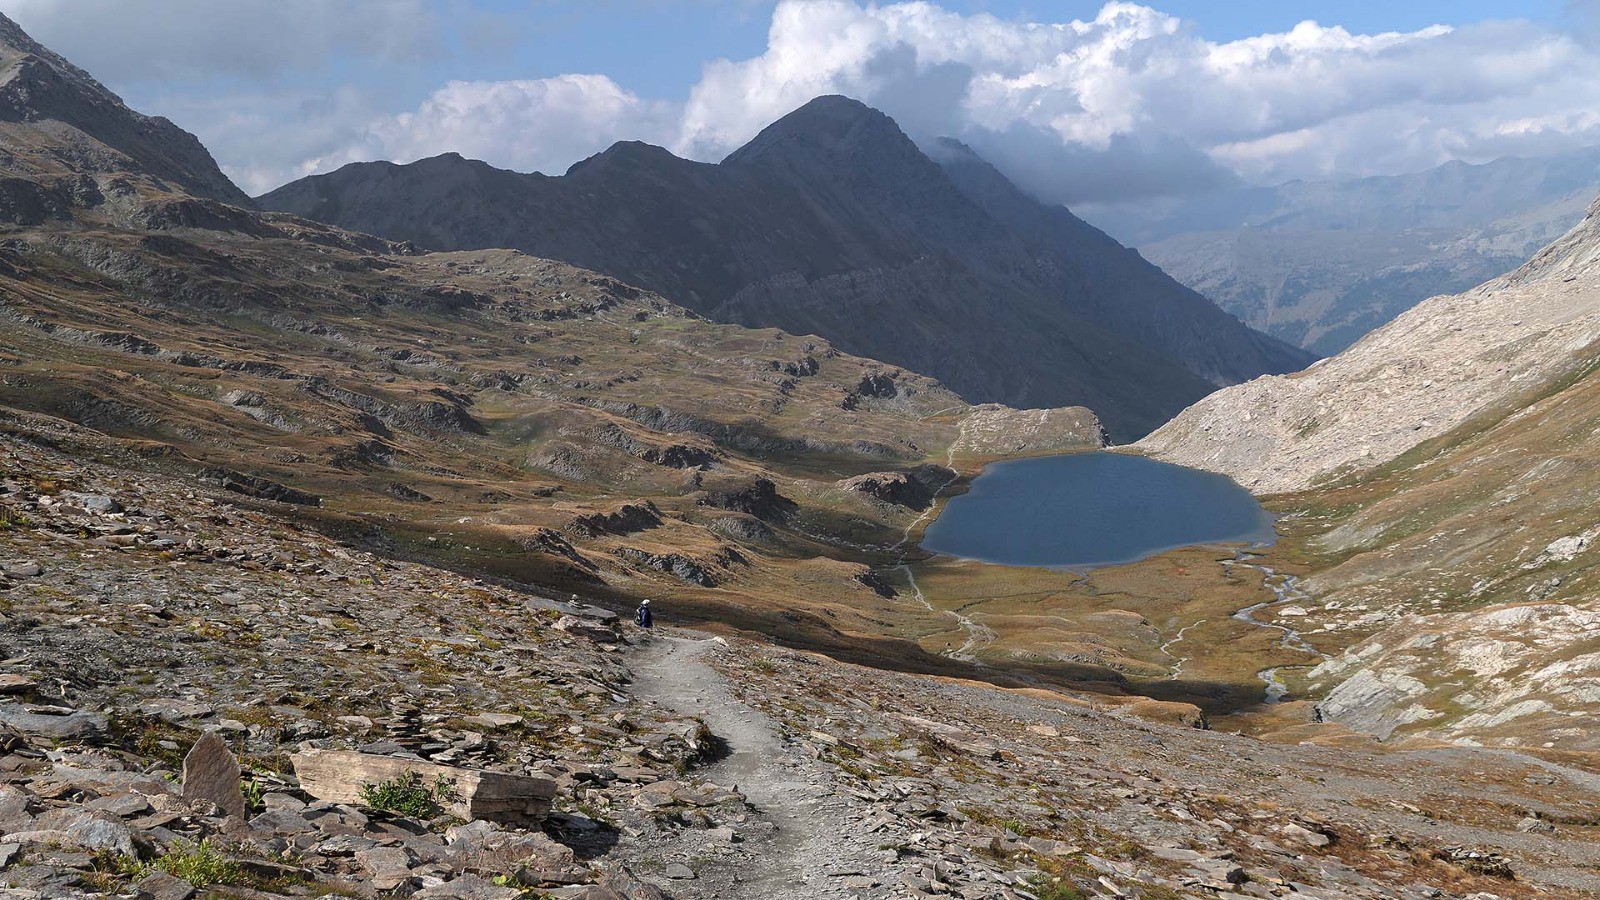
[{"x": 833, "y": 222}]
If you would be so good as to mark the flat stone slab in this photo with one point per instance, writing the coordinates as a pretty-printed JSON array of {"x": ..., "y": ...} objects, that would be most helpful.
[
  {"x": 71, "y": 725},
  {"x": 337, "y": 776}
]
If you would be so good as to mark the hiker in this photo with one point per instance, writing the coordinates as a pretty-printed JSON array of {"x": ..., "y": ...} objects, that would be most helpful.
[{"x": 643, "y": 617}]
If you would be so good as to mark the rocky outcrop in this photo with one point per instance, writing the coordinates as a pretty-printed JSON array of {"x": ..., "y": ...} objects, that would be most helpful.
[
  {"x": 1434, "y": 368},
  {"x": 758, "y": 497},
  {"x": 994, "y": 430},
  {"x": 675, "y": 564},
  {"x": 625, "y": 519},
  {"x": 266, "y": 489},
  {"x": 914, "y": 489},
  {"x": 833, "y": 222}
]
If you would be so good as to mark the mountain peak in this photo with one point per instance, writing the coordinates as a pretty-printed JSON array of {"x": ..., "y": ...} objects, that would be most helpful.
[
  {"x": 103, "y": 136},
  {"x": 633, "y": 154},
  {"x": 828, "y": 126}
]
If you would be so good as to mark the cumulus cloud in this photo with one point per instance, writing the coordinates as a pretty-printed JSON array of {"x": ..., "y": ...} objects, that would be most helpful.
[
  {"x": 1130, "y": 104},
  {"x": 538, "y": 125},
  {"x": 1135, "y": 103}
]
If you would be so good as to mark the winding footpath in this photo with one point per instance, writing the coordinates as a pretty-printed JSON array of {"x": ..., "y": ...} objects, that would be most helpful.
[
  {"x": 809, "y": 845},
  {"x": 979, "y": 635}
]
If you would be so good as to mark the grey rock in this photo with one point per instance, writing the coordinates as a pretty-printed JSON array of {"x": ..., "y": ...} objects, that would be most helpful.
[
  {"x": 161, "y": 886},
  {"x": 75, "y": 725},
  {"x": 678, "y": 871},
  {"x": 211, "y": 772},
  {"x": 468, "y": 887},
  {"x": 95, "y": 503}
]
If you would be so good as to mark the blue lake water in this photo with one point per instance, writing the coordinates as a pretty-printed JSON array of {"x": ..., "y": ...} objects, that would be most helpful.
[{"x": 1093, "y": 509}]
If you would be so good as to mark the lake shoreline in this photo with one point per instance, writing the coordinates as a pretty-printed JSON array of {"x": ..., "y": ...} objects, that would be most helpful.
[{"x": 1078, "y": 511}]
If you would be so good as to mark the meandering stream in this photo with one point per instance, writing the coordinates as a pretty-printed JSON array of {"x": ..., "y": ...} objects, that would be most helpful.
[{"x": 1285, "y": 589}]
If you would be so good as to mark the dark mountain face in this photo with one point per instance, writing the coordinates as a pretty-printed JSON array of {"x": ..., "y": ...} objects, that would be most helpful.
[
  {"x": 57, "y": 121},
  {"x": 833, "y": 222}
]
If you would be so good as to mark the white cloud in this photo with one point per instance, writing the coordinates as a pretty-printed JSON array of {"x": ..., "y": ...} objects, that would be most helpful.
[
  {"x": 537, "y": 125},
  {"x": 1136, "y": 92},
  {"x": 1131, "y": 103}
]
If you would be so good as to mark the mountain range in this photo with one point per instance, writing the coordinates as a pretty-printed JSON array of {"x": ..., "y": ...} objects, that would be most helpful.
[
  {"x": 1320, "y": 263},
  {"x": 832, "y": 222}
]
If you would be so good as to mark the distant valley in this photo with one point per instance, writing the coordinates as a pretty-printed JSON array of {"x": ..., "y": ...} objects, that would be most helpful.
[{"x": 1319, "y": 264}]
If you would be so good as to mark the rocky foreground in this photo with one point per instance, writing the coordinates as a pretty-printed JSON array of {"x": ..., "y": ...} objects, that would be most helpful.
[{"x": 158, "y": 632}]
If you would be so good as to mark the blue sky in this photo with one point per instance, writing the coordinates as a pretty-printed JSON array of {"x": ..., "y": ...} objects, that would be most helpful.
[{"x": 1135, "y": 101}]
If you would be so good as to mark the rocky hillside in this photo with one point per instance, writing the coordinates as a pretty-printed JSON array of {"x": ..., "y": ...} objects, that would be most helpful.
[
  {"x": 177, "y": 659},
  {"x": 58, "y": 124},
  {"x": 1444, "y": 517},
  {"x": 1443, "y": 363},
  {"x": 1319, "y": 264},
  {"x": 486, "y": 410},
  {"x": 833, "y": 222}
]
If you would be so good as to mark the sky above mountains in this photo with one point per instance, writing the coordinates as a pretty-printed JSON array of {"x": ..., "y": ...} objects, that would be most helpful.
[{"x": 1078, "y": 101}]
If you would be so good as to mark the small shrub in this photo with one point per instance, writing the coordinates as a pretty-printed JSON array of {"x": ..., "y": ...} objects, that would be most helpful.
[
  {"x": 409, "y": 795},
  {"x": 199, "y": 864}
]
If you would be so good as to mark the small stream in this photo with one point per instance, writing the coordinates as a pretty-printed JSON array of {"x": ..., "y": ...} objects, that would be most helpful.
[{"x": 1285, "y": 589}]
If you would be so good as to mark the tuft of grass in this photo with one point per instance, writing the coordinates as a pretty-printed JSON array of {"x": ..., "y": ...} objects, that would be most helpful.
[
  {"x": 410, "y": 795},
  {"x": 201, "y": 864},
  {"x": 1050, "y": 887}
]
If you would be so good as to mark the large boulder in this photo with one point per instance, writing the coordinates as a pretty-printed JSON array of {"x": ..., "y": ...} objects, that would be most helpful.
[{"x": 338, "y": 776}]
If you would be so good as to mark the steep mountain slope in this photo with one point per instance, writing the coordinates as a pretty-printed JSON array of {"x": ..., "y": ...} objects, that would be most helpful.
[
  {"x": 1446, "y": 361},
  {"x": 56, "y": 122},
  {"x": 1319, "y": 264},
  {"x": 833, "y": 222}
]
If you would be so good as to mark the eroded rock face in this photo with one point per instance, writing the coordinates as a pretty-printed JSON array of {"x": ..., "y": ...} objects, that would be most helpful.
[
  {"x": 625, "y": 519},
  {"x": 758, "y": 497},
  {"x": 913, "y": 490},
  {"x": 993, "y": 430},
  {"x": 1500, "y": 675}
]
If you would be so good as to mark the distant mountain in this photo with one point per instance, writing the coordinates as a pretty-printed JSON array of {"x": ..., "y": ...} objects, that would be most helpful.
[
  {"x": 831, "y": 221},
  {"x": 57, "y": 122},
  {"x": 1321, "y": 263}
]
